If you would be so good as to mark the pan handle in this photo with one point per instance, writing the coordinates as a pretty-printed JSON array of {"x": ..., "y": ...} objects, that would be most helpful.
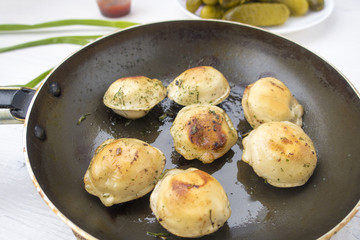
[{"x": 14, "y": 103}]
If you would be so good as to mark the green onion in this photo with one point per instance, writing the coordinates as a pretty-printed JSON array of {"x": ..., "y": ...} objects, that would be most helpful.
[
  {"x": 80, "y": 40},
  {"x": 33, "y": 83},
  {"x": 67, "y": 22}
]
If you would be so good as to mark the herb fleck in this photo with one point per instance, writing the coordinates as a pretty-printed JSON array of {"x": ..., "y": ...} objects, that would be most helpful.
[
  {"x": 127, "y": 123},
  {"x": 82, "y": 118},
  {"x": 118, "y": 97},
  {"x": 162, "y": 117},
  {"x": 178, "y": 82},
  {"x": 193, "y": 130},
  {"x": 163, "y": 173},
  {"x": 212, "y": 112},
  {"x": 163, "y": 236}
]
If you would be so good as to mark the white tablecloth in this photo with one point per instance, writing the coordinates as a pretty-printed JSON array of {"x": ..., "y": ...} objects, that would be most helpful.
[{"x": 23, "y": 214}]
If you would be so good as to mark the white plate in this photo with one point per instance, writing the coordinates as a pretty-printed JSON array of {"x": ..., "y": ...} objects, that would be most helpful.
[{"x": 293, "y": 24}]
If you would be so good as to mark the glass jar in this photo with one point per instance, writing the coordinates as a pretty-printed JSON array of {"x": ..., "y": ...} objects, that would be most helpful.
[{"x": 114, "y": 8}]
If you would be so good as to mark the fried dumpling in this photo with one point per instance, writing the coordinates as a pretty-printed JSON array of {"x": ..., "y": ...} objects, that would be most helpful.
[
  {"x": 203, "y": 132},
  {"x": 281, "y": 153},
  {"x": 268, "y": 99},
  {"x": 190, "y": 203},
  {"x": 123, "y": 169},
  {"x": 133, "y": 97},
  {"x": 198, "y": 85}
]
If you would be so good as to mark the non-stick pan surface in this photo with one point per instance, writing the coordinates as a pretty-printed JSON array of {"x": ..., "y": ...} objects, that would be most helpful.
[{"x": 60, "y": 156}]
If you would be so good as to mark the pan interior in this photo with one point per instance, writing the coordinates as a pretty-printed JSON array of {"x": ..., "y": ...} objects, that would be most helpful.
[{"x": 164, "y": 50}]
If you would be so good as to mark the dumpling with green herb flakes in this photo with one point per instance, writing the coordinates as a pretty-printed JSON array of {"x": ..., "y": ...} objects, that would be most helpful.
[
  {"x": 281, "y": 153},
  {"x": 268, "y": 99},
  {"x": 190, "y": 203},
  {"x": 203, "y": 131},
  {"x": 198, "y": 85},
  {"x": 133, "y": 97},
  {"x": 123, "y": 169}
]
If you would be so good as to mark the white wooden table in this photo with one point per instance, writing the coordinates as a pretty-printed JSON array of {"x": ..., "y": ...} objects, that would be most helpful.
[{"x": 23, "y": 214}]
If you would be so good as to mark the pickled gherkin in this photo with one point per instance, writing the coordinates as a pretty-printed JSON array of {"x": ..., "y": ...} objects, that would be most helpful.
[
  {"x": 316, "y": 5},
  {"x": 193, "y": 5},
  {"x": 230, "y": 3},
  {"x": 259, "y": 14},
  {"x": 296, "y": 7},
  {"x": 210, "y": 2},
  {"x": 211, "y": 12}
]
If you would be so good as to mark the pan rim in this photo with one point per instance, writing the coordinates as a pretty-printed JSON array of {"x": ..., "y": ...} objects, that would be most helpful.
[{"x": 82, "y": 234}]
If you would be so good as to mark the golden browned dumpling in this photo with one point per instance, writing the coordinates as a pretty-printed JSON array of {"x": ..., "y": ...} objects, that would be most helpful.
[
  {"x": 190, "y": 203},
  {"x": 268, "y": 99},
  {"x": 123, "y": 169},
  {"x": 281, "y": 153},
  {"x": 133, "y": 97},
  {"x": 203, "y": 132},
  {"x": 199, "y": 85}
]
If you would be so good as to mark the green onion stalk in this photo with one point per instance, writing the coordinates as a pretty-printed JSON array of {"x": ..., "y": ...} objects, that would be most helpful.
[
  {"x": 67, "y": 22},
  {"x": 79, "y": 40}
]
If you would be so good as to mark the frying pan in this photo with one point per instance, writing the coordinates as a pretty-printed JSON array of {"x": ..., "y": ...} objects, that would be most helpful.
[{"x": 60, "y": 141}]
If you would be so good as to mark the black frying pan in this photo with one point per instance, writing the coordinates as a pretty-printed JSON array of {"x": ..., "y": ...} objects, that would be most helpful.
[{"x": 59, "y": 146}]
